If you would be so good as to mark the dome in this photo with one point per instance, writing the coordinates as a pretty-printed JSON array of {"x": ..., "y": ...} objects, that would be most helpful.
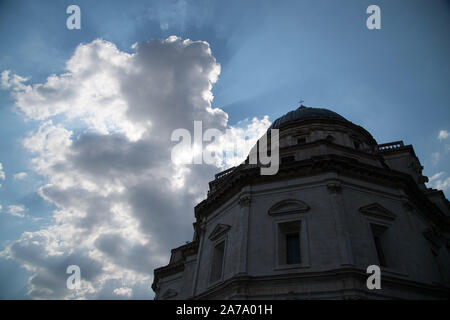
[{"x": 303, "y": 112}]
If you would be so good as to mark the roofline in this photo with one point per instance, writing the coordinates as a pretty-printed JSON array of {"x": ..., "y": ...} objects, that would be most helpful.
[
  {"x": 297, "y": 123},
  {"x": 346, "y": 166}
]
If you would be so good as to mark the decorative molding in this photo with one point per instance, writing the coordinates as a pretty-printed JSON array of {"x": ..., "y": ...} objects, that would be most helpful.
[
  {"x": 423, "y": 179},
  {"x": 247, "y": 175},
  {"x": 169, "y": 293},
  {"x": 433, "y": 236},
  {"x": 244, "y": 201},
  {"x": 334, "y": 186},
  {"x": 202, "y": 227},
  {"x": 377, "y": 211},
  {"x": 408, "y": 205},
  {"x": 218, "y": 231},
  {"x": 170, "y": 269},
  {"x": 416, "y": 166},
  {"x": 287, "y": 207}
]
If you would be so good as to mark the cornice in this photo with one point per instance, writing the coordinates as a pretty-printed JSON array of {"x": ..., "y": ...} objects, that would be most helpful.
[
  {"x": 401, "y": 149},
  {"x": 242, "y": 176},
  {"x": 166, "y": 271},
  {"x": 188, "y": 249},
  {"x": 246, "y": 281}
]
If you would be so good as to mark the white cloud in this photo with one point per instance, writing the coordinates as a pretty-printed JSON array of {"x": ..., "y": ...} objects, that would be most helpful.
[
  {"x": 439, "y": 181},
  {"x": 20, "y": 175},
  {"x": 17, "y": 210},
  {"x": 2, "y": 173},
  {"x": 242, "y": 138},
  {"x": 443, "y": 134},
  {"x": 125, "y": 292},
  {"x": 1, "y": 208},
  {"x": 15, "y": 82},
  {"x": 120, "y": 203}
]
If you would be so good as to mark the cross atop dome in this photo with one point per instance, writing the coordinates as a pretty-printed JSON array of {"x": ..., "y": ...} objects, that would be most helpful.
[
  {"x": 301, "y": 104},
  {"x": 304, "y": 112}
]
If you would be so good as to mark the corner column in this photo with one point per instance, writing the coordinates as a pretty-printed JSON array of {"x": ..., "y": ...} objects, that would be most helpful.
[
  {"x": 201, "y": 231},
  {"x": 244, "y": 213},
  {"x": 343, "y": 239}
]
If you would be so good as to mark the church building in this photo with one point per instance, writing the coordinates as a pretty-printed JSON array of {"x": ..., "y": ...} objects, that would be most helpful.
[{"x": 339, "y": 203}]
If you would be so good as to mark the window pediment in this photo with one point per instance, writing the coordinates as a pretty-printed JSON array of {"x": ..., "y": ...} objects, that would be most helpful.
[
  {"x": 288, "y": 207},
  {"x": 377, "y": 211},
  {"x": 218, "y": 231}
]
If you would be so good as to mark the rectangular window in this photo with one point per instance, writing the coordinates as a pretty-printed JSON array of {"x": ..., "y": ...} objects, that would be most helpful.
[
  {"x": 301, "y": 140},
  {"x": 293, "y": 248},
  {"x": 380, "y": 252},
  {"x": 377, "y": 232},
  {"x": 289, "y": 243},
  {"x": 217, "y": 263}
]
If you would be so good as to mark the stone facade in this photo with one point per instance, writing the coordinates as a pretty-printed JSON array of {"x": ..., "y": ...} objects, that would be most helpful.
[{"x": 339, "y": 203}]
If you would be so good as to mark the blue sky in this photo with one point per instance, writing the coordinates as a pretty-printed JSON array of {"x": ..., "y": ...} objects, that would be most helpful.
[{"x": 393, "y": 81}]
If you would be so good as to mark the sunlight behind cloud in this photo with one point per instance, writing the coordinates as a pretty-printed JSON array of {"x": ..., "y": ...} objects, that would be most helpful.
[{"x": 120, "y": 201}]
